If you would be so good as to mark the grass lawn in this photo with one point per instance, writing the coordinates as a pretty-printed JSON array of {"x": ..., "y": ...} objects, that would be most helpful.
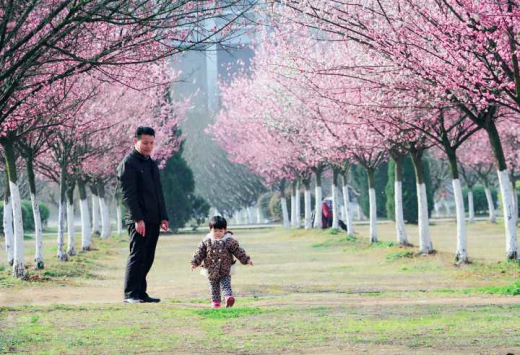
[{"x": 310, "y": 292}]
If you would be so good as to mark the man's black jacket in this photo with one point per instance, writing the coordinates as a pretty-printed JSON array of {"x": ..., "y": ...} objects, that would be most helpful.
[{"x": 141, "y": 189}]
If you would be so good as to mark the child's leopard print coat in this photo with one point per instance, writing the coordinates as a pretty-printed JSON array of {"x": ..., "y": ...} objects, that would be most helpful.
[{"x": 217, "y": 255}]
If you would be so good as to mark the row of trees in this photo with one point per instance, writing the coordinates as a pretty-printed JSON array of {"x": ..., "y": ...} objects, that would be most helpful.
[
  {"x": 334, "y": 84},
  {"x": 77, "y": 78}
]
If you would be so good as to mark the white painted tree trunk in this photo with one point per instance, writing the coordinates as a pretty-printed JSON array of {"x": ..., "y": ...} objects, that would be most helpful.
[
  {"x": 38, "y": 234},
  {"x": 86, "y": 234},
  {"x": 348, "y": 214},
  {"x": 425, "y": 240},
  {"x": 359, "y": 214},
  {"x": 95, "y": 215},
  {"x": 105, "y": 218},
  {"x": 373, "y": 215},
  {"x": 461, "y": 255},
  {"x": 293, "y": 210},
  {"x": 491, "y": 206},
  {"x": 285, "y": 213},
  {"x": 308, "y": 210},
  {"x": 335, "y": 208},
  {"x": 249, "y": 215},
  {"x": 298, "y": 198},
  {"x": 259, "y": 218},
  {"x": 119, "y": 218},
  {"x": 318, "y": 220},
  {"x": 61, "y": 231},
  {"x": 244, "y": 216},
  {"x": 400, "y": 231},
  {"x": 71, "y": 233},
  {"x": 509, "y": 220},
  {"x": 515, "y": 206},
  {"x": 471, "y": 206},
  {"x": 18, "y": 253},
  {"x": 8, "y": 229}
]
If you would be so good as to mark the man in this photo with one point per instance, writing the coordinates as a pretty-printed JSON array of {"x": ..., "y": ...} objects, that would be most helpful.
[{"x": 143, "y": 199}]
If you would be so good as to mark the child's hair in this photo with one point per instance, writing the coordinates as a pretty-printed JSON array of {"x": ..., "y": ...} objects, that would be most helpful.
[{"x": 217, "y": 222}]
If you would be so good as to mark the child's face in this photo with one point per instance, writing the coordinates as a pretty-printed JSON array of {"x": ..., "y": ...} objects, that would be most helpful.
[{"x": 218, "y": 232}]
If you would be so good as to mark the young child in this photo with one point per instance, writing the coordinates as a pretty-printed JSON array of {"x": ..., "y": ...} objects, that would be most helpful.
[{"x": 216, "y": 253}]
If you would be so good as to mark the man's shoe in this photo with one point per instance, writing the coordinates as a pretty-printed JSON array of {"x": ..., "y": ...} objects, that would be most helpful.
[
  {"x": 148, "y": 299},
  {"x": 230, "y": 301},
  {"x": 133, "y": 300},
  {"x": 215, "y": 304}
]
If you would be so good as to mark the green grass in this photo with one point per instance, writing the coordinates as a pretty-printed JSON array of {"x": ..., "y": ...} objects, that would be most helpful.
[
  {"x": 507, "y": 290},
  {"x": 227, "y": 313},
  {"x": 166, "y": 328},
  {"x": 308, "y": 291},
  {"x": 399, "y": 255},
  {"x": 384, "y": 245}
]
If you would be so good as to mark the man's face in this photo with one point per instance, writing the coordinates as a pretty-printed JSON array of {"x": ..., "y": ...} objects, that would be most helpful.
[
  {"x": 144, "y": 145},
  {"x": 218, "y": 232}
]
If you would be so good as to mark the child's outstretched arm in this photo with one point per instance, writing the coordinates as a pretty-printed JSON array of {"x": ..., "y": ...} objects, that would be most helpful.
[
  {"x": 240, "y": 253},
  {"x": 198, "y": 256}
]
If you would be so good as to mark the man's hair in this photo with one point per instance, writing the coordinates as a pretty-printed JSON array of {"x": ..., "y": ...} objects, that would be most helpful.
[
  {"x": 149, "y": 131},
  {"x": 217, "y": 222}
]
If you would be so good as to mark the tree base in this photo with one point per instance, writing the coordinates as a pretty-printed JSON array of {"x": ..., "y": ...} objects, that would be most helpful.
[
  {"x": 39, "y": 264},
  {"x": 19, "y": 272},
  {"x": 71, "y": 252},
  {"x": 86, "y": 248},
  {"x": 63, "y": 257},
  {"x": 512, "y": 255},
  {"x": 459, "y": 261}
]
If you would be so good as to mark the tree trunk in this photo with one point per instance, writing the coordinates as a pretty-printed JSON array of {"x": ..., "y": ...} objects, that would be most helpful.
[
  {"x": 249, "y": 215},
  {"x": 471, "y": 205},
  {"x": 307, "y": 204},
  {"x": 62, "y": 256},
  {"x": 373, "y": 206},
  {"x": 283, "y": 202},
  {"x": 402, "y": 238},
  {"x": 259, "y": 218},
  {"x": 509, "y": 219},
  {"x": 103, "y": 210},
  {"x": 298, "y": 205},
  {"x": 293, "y": 204},
  {"x": 96, "y": 230},
  {"x": 8, "y": 222},
  {"x": 86, "y": 236},
  {"x": 119, "y": 215},
  {"x": 505, "y": 190},
  {"x": 318, "y": 220},
  {"x": 491, "y": 206},
  {"x": 346, "y": 203},
  {"x": 425, "y": 241},
  {"x": 18, "y": 252},
  {"x": 515, "y": 199},
  {"x": 335, "y": 204},
  {"x": 461, "y": 254},
  {"x": 71, "y": 233},
  {"x": 38, "y": 229}
]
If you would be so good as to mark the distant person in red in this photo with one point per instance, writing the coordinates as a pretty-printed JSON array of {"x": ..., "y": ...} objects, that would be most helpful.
[{"x": 326, "y": 215}]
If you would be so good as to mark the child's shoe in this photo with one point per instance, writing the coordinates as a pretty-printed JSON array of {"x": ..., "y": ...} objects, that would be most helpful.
[
  {"x": 230, "y": 301},
  {"x": 215, "y": 304}
]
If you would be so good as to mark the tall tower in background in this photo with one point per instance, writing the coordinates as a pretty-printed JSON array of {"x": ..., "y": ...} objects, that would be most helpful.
[{"x": 226, "y": 186}]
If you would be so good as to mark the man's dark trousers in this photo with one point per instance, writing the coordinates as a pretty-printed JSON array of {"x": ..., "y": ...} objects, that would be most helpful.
[{"x": 140, "y": 260}]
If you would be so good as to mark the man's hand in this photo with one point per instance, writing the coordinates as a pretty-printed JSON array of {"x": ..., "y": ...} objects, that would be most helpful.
[
  {"x": 250, "y": 262},
  {"x": 164, "y": 225},
  {"x": 140, "y": 227},
  {"x": 193, "y": 267}
]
